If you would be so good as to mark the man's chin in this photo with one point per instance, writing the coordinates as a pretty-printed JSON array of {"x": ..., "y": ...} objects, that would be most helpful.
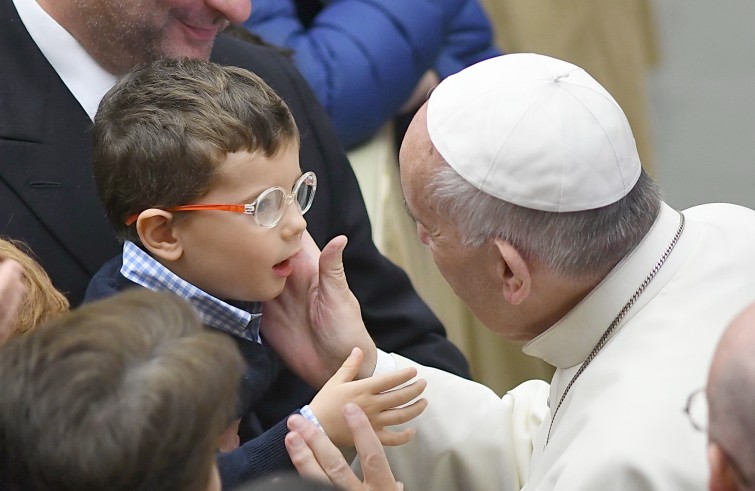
[{"x": 198, "y": 52}]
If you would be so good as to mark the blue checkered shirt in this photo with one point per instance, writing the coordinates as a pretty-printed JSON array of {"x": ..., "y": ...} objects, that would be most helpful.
[{"x": 242, "y": 321}]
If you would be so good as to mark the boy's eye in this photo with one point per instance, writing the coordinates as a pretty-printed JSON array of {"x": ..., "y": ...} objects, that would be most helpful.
[{"x": 269, "y": 205}]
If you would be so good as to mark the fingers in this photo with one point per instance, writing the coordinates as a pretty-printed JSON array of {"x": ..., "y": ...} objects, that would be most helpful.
[
  {"x": 399, "y": 397},
  {"x": 388, "y": 381},
  {"x": 303, "y": 458},
  {"x": 395, "y": 438},
  {"x": 332, "y": 253},
  {"x": 332, "y": 274},
  {"x": 377, "y": 472},
  {"x": 392, "y": 380},
  {"x": 309, "y": 246},
  {"x": 305, "y": 264},
  {"x": 400, "y": 415},
  {"x": 316, "y": 457},
  {"x": 349, "y": 368}
]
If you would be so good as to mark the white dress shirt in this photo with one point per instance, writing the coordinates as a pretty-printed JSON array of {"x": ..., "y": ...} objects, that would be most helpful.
[{"x": 87, "y": 81}]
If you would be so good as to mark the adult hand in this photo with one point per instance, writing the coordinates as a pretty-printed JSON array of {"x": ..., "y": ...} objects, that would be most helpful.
[
  {"x": 316, "y": 322},
  {"x": 316, "y": 457},
  {"x": 12, "y": 291}
]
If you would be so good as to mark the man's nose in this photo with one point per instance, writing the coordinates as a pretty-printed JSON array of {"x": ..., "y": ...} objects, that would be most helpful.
[{"x": 236, "y": 11}]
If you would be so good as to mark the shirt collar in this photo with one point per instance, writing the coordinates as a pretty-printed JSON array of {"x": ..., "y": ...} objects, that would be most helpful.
[
  {"x": 242, "y": 320},
  {"x": 569, "y": 341},
  {"x": 87, "y": 81}
]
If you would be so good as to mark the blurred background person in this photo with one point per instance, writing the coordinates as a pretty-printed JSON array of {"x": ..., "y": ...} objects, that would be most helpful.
[
  {"x": 27, "y": 296},
  {"x": 370, "y": 60},
  {"x": 727, "y": 407}
]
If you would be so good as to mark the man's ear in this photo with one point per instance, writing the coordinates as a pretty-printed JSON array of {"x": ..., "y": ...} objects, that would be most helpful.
[
  {"x": 513, "y": 272},
  {"x": 155, "y": 229},
  {"x": 721, "y": 474}
]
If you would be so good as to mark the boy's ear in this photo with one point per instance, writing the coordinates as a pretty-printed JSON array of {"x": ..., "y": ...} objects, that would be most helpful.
[
  {"x": 155, "y": 229},
  {"x": 514, "y": 273}
]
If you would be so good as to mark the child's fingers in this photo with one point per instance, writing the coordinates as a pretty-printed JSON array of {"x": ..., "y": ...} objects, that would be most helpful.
[
  {"x": 349, "y": 368},
  {"x": 401, "y": 396},
  {"x": 395, "y": 438},
  {"x": 400, "y": 415},
  {"x": 388, "y": 381}
]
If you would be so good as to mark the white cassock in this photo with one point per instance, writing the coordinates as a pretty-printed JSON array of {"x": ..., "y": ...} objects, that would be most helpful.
[{"x": 621, "y": 425}]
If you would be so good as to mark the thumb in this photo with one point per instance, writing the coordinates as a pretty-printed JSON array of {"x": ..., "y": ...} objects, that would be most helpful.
[
  {"x": 332, "y": 274},
  {"x": 305, "y": 264},
  {"x": 349, "y": 368}
]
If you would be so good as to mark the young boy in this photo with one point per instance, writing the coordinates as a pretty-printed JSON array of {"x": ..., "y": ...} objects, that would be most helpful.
[
  {"x": 128, "y": 393},
  {"x": 198, "y": 168}
]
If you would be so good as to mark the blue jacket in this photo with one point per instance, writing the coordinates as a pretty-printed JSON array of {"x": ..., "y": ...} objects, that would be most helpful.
[{"x": 363, "y": 58}]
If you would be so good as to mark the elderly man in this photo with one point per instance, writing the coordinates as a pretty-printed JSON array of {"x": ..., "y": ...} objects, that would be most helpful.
[
  {"x": 524, "y": 180},
  {"x": 522, "y": 175},
  {"x": 730, "y": 407},
  {"x": 60, "y": 57}
]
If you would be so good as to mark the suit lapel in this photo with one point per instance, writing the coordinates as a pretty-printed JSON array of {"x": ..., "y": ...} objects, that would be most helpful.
[{"x": 45, "y": 149}]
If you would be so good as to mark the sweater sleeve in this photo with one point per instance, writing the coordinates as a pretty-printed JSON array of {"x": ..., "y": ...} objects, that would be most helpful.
[
  {"x": 255, "y": 458},
  {"x": 362, "y": 58}
]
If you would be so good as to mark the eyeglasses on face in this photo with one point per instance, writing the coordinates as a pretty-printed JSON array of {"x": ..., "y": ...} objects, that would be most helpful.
[
  {"x": 696, "y": 410},
  {"x": 268, "y": 208}
]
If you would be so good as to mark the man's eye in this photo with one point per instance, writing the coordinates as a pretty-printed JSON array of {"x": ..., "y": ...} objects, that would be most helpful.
[{"x": 424, "y": 235}]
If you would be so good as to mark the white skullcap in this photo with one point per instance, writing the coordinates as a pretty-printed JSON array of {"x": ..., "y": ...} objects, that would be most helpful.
[{"x": 534, "y": 131}]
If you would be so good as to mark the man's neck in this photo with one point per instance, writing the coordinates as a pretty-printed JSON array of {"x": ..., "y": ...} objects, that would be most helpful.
[
  {"x": 559, "y": 296},
  {"x": 70, "y": 17}
]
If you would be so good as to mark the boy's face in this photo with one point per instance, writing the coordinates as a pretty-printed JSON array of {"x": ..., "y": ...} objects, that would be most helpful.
[{"x": 227, "y": 254}]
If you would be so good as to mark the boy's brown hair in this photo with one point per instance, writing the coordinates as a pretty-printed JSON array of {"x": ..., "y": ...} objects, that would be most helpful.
[
  {"x": 41, "y": 300},
  {"x": 163, "y": 130},
  {"x": 128, "y": 393}
]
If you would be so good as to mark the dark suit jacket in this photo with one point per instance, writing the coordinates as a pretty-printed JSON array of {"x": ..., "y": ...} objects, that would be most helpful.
[{"x": 49, "y": 200}]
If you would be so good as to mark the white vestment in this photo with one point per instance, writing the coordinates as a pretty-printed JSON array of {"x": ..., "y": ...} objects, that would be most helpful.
[{"x": 621, "y": 425}]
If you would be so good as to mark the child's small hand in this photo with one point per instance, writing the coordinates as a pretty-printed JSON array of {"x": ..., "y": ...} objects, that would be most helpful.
[{"x": 379, "y": 398}]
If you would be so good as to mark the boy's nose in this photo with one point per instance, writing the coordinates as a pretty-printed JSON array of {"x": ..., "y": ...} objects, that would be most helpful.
[{"x": 293, "y": 222}]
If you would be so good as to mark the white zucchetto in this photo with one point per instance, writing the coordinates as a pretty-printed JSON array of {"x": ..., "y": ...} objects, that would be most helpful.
[{"x": 534, "y": 131}]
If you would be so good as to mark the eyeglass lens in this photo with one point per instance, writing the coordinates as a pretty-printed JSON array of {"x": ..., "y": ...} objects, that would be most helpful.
[
  {"x": 697, "y": 410},
  {"x": 271, "y": 205}
]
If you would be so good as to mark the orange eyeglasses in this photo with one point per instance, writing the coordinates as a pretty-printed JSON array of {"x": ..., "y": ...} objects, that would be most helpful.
[{"x": 268, "y": 208}]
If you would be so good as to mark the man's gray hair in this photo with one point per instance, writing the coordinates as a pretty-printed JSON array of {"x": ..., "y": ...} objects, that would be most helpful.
[{"x": 573, "y": 244}]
